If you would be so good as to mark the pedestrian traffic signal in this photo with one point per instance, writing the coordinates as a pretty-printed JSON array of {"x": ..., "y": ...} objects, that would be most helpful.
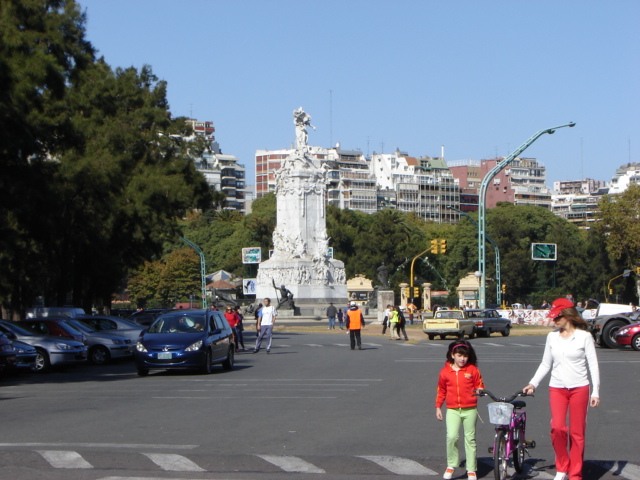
[
  {"x": 443, "y": 245},
  {"x": 434, "y": 246}
]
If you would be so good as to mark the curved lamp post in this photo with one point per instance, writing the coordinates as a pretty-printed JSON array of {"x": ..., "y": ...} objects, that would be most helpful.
[
  {"x": 203, "y": 270},
  {"x": 482, "y": 197},
  {"x": 495, "y": 247}
]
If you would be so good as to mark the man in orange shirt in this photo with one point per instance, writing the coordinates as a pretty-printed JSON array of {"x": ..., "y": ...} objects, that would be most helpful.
[{"x": 355, "y": 322}]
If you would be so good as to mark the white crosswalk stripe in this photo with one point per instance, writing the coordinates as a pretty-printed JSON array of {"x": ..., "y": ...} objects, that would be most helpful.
[
  {"x": 291, "y": 464},
  {"x": 173, "y": 463},
  {"x": 400, "y": 466},
  {"x": 64, "y": 459}
]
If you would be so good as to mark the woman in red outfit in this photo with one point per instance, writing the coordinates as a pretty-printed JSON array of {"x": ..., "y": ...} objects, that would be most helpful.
[{"x": 233, "y": 319}]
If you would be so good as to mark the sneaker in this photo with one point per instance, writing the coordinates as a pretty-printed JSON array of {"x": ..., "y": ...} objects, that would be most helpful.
[
  {"x": 255, "y": 351},
  {"x": 472, "y": 476},
  {"x": 268, "y": 351},
  {"x": 448, "y": 473},
  {"x": 560, "y": 476}
]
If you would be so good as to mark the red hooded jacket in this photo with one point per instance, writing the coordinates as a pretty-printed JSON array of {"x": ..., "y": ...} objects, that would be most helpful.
[{"x": 456, "y": 387}]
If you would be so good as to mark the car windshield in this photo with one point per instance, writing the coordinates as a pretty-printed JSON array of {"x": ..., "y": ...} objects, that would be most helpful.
[
  {"x": 178, "y": 324},
  {"x": 80, "y": 326},
  {"x": 16, "y": 329}
]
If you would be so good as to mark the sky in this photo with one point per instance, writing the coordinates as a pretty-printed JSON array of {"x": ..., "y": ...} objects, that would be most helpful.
[{"x": 477, "y": 78}]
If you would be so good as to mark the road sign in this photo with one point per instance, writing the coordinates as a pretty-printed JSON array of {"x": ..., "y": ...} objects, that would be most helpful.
[{"x": 544, "y": 251}]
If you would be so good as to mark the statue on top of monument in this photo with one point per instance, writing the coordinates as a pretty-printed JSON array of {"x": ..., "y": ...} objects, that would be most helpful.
[
  {"x": 302, "y": 120},
  {"x": 383, "y": 275}
]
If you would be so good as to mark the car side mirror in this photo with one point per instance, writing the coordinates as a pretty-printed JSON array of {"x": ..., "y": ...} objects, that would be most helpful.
[{"x": 217, "y": 331}]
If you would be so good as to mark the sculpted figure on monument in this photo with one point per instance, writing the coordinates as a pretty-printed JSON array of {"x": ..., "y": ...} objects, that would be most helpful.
[
  {"x": 301, "y": 119},
  {"x": 383, "y": 275}
]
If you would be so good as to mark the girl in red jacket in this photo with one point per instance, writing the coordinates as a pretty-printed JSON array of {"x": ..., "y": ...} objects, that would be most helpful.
[{"x": 459, "y": 379}]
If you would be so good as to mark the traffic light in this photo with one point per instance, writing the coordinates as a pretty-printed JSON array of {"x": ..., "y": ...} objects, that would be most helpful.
[
  {"x": 443, "y": 245},
  {"x": 638, "y": 270},
  {"x": 504, "y": 288},
  {"x": 405, "y": 291},
  {"x": 416, "y": 292},
  {"x": 434, "y": 246}
]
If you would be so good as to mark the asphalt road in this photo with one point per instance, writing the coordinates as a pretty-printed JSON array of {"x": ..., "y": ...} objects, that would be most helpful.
[{"x": 312, "y": 408}]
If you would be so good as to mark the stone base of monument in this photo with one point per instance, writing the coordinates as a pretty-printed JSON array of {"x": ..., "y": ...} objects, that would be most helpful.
[{"x": 385, "y": 297}]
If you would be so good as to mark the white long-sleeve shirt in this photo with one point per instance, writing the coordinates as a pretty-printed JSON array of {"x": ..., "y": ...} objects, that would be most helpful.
[{"x": 568, "y": 359}]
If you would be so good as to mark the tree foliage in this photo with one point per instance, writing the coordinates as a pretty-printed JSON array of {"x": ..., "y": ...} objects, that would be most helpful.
[{"x": 93, "y": 178}]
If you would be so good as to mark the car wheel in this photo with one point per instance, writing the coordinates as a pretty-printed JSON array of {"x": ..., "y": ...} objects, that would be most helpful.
[
  {"x": 472, "y": 334},
  {"x": 42, "y": 363},
  {"x": 442, "y": 337},
  {"x": 431, "y": 337},
  {"x": 206, "y": 366},
  {"x": 228, "y": 363},
  {"x": 99, "y": 355},
  {"x": 506, "y": 332},
  {"x": 609, "y": 333},
  {"x": 143, "y": 372},
  {"x": 635, "y": 342}
]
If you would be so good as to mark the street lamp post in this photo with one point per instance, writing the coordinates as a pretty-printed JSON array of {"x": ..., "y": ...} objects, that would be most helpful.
[
  {"x": 495, "y": 247},
  {"x": 482, "y": 197},
  {"x": 203, "y": 271}
]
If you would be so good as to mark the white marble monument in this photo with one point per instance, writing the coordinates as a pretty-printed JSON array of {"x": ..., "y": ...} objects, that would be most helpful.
[{"x": 300, "y": 263}]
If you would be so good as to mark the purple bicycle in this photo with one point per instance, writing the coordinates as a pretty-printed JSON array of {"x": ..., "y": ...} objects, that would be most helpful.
[{"x": 510, "y": 420}]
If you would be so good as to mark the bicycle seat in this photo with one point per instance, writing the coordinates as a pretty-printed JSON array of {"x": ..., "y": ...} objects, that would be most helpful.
[{"x": 518, "y": 404}]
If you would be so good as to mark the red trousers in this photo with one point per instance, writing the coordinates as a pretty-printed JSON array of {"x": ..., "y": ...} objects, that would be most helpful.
[{"x": 568, "y": 440}]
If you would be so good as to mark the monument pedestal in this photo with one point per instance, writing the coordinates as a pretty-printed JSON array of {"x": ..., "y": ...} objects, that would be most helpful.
[{"x": 385, "y": 297}]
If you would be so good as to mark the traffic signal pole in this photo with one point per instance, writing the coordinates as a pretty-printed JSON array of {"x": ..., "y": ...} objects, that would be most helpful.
[
  {"x": 482, "y": 198},
  {"x": 411, "y": 270}
]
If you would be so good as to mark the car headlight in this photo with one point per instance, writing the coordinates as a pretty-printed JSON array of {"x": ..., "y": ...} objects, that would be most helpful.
[
  {"x": 7, "y": 348},
  {"x": 140, "y": 347},
  {"x": 24, "y": 350},
  {"x": 194, "y": 347},
  {"x": 63, "y": 346}
]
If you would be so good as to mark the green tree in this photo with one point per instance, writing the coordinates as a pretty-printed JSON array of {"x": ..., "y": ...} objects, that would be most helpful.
[{"x": 620, "y": 214}]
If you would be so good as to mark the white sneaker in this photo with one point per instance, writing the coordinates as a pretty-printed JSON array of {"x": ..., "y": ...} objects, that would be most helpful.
[
  {"x": 448, "y": 474},
  {"x": 560, "y": 476},
  {"x": 472, "y": 476}
]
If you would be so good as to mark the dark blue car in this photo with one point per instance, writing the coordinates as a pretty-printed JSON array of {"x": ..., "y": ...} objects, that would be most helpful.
[{"x": 186, "y": 339}]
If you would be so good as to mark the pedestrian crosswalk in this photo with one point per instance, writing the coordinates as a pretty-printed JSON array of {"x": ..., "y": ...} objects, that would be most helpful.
[{"x": 378, "y": 464}]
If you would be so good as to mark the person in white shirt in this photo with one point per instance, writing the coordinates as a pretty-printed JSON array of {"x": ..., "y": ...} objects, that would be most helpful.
[
  {"x": 569, "y": 352},
  {"x": 266, "y": 320}
]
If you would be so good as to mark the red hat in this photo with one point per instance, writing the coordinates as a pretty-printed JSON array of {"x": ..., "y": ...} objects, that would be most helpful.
[{"x": 558, "y": 305}]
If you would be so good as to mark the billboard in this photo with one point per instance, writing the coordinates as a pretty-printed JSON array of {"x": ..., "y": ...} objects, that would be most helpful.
[{"x": 251, "y": 255}]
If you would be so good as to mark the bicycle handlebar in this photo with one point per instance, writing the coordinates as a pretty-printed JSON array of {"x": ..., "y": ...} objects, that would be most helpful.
[{"x": 502, "y": 399}]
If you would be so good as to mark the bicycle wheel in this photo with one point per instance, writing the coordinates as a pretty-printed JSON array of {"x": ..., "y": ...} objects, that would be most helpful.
[
  {"x": 500, "y": 456},
  {"x": 519, "y": 451}
]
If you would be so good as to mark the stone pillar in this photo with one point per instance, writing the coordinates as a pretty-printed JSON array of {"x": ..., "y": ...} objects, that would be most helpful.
[
  {"x": 404, "y": 294},
  {"x": 426, "y": 296}
]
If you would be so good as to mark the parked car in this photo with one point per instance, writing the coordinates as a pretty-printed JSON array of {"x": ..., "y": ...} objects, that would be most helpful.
[
  {"x": 7, "y": 353},
  {"x": 449, "y": 322},
  {"x": 103, "y": 346},
  {"x": 146, "y": 317},
  {"x": 53, "y": 327},
  {"x": 39, "y": 312},
  {"x": 629, "y": 336},
  {"x": 25, "y": 355},
  {"x": 488, "y": 321},
  {"x": 49, "y": 350},
  {"x": 184, "y": 339},
  {"x": 110, "y": 324},
  {"x": 611, "y": 317}
]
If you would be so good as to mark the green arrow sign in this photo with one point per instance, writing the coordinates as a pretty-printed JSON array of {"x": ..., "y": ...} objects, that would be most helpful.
[{"x": 544, "y": 251}]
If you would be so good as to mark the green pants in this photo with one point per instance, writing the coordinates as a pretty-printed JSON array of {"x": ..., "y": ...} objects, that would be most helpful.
[{"x": 467, "y": 417}]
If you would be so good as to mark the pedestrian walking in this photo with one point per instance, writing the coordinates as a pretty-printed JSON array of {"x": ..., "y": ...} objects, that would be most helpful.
[
  {"x": 332, "y": 312},
  {"x": 266, "y": 321},
  {"x": 568, "y": 352},
  {"x": 459, "y": 379},
  {"x": 401, "y": 324},
  {"x": 355, "y": 322},
  {"x": 385, "y": 320},
  {"x": 340, "y": 317},
  {"x": 393, "y": 323},
  {"x": 233, "y": 319},
  {"x": 240, "y": 328}
]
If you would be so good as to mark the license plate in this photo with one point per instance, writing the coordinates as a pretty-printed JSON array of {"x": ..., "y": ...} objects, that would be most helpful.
[{"x": 164, "y": 356}]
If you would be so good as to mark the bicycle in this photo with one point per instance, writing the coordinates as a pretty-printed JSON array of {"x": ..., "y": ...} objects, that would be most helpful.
[{"x": 510, "y": 421}]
